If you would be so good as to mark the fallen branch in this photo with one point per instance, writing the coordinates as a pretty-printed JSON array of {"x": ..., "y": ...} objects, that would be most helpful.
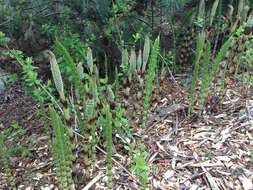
[{"x": 93, "y": 181}]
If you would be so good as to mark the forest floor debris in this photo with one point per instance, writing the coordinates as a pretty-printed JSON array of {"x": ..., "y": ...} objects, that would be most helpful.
[{"x": 208, "y": 151}]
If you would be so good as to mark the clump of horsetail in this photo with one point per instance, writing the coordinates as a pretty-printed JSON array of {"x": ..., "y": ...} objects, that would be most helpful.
[
  {"x": 62, "y": 152},
  {"x": 140, "y": 166},
  {"x": 150, "y": 77},
  {"x": 206, "y": 81},
  {"x": 199, "y": 51},
  {"x": 59, "y": 85}
]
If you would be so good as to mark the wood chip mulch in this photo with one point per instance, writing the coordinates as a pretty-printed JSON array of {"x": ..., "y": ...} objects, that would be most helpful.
[{"x": 212, "y": 150}]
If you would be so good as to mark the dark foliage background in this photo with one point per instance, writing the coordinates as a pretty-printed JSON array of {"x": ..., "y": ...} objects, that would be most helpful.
[{"x": 106, "y": 26}]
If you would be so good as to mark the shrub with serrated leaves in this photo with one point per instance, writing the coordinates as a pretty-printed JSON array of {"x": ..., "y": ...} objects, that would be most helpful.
[{"x": 35, "y": 86}]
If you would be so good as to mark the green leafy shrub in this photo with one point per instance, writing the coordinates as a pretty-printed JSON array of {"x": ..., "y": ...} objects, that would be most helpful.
[{"x": 35, "y": 86}]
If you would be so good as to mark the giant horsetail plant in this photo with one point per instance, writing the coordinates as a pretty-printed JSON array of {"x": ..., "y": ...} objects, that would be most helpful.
[
  {"x": 90, "y": 118},
  {"x": 223, "y": 79},
  {"x": 149, "y": 82},
  {"x": 209, "y": 72},
  {"x": 90, "y": 115},
  {"x": 117, "y": 86},
  {"x": 125, "y": 66},
  {"x": 141, "y": 168},
  {"x": 135, "y": 64},
  {"x": 109, "y": 144},
  {"x": 91, "y": 112},
  {"x": 75, "y": 75},
  {"x": 198, "y": 54},
  {"x": 59, "y": 85},
  {"x": 219, "y": 57},
  {"x": 62, "y": 152}
]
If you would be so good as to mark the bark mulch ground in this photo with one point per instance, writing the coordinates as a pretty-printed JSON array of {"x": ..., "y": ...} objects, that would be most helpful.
[{"x": 212, "y": 150}]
